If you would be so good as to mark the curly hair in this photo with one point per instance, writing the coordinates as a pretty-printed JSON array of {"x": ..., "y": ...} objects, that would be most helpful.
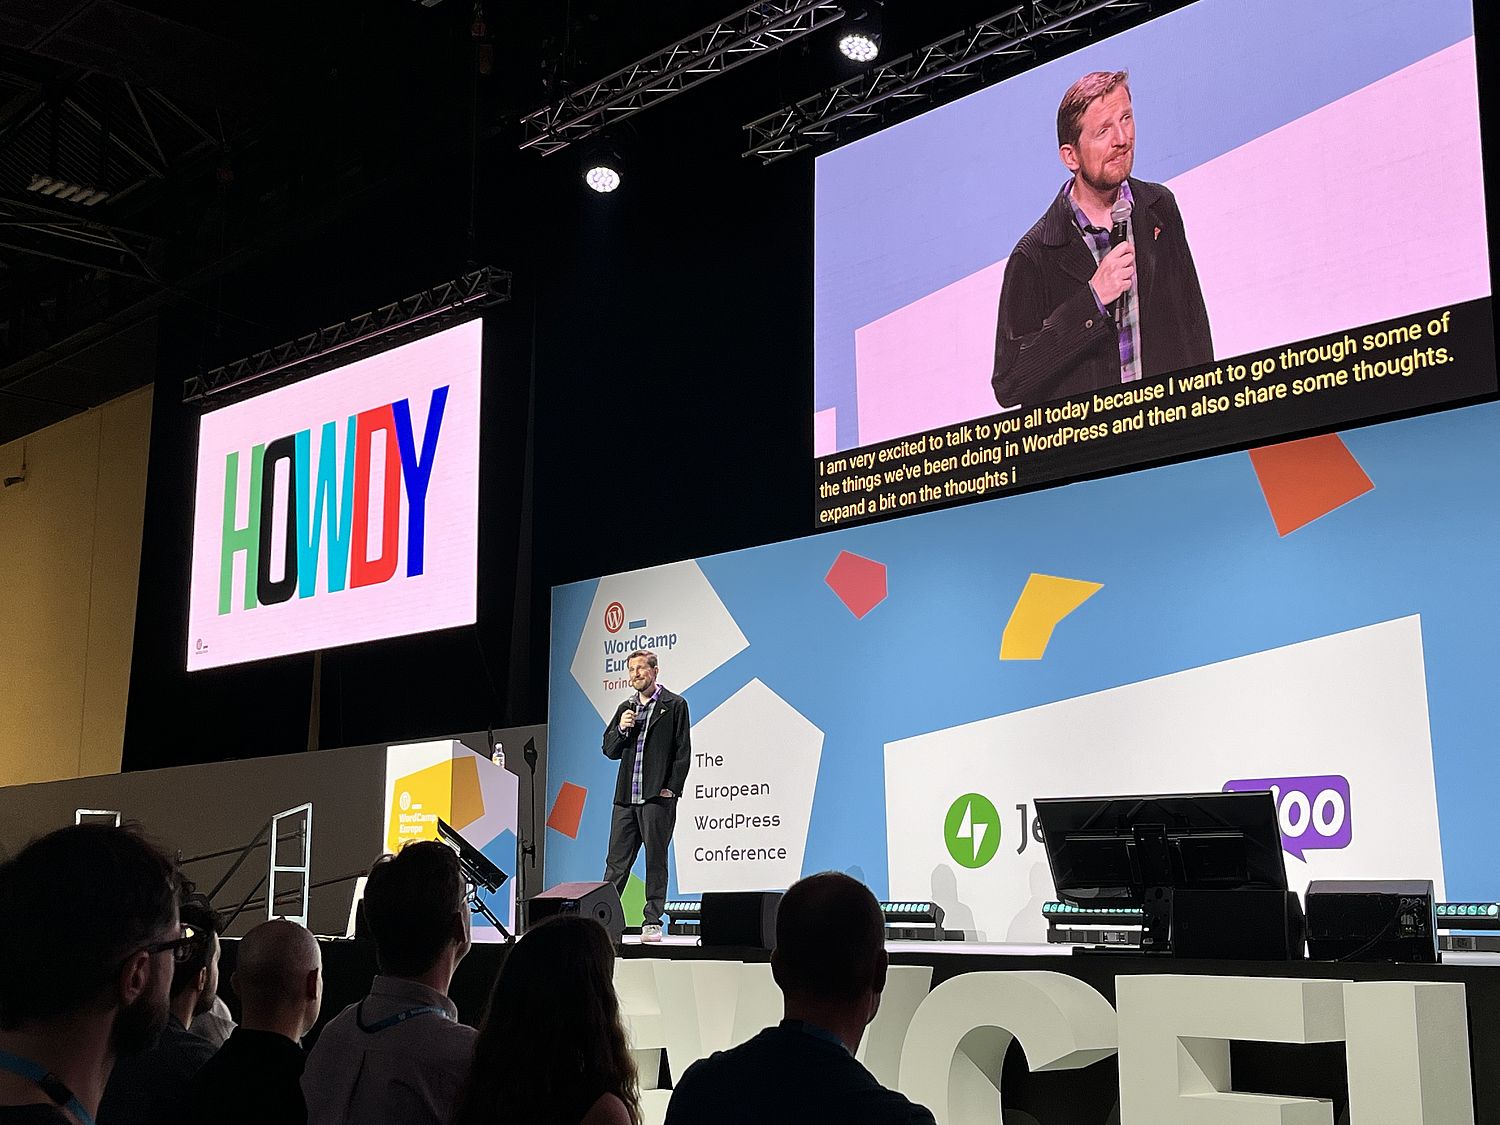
[{"x": 552, "y": 1041}]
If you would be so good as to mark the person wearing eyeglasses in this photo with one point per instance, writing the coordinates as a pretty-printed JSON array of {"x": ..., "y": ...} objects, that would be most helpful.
[
  {"x": 86, "y": 958},
  {"x": 152, "y": 1086}
]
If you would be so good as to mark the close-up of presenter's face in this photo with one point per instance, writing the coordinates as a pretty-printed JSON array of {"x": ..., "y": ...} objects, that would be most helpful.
[
  {"x": 1105, "y": 152},
  {"x": 642, "y": 675}
]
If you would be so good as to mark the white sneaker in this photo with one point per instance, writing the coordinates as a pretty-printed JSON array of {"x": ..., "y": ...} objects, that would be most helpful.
[{"x": 651, "y": 933}]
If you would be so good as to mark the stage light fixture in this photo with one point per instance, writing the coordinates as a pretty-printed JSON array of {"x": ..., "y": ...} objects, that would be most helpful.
[
  {"x": 603, "y": 178},
  {"x": 859, "y": 39},
  {"x": 859, "y": 46}
]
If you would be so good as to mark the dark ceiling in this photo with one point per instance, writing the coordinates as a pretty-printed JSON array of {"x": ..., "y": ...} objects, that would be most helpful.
[{"x": 222, "y": 143}]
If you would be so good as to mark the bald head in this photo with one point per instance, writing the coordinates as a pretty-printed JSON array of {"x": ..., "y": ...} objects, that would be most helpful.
[{"x": 279, "y": 978}]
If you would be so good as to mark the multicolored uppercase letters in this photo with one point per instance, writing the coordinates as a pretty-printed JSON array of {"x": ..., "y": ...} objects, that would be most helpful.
[{"x": 333, "y": 510}]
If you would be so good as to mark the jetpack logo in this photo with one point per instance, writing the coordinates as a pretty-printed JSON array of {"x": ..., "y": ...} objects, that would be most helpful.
[
  {"x": 358, "y": 486},
  {"x": 971, "y": 830}
]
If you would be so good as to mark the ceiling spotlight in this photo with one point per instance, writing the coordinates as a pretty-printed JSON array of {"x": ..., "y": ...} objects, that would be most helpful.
[
  {"x": 860, "y": 46},
  {"x": 602, "y": 176},
  {"x": 860, "y": 38}
]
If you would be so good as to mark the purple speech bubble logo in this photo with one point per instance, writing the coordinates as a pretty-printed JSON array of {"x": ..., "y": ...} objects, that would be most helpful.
[{"x": 1314, "y": 811}]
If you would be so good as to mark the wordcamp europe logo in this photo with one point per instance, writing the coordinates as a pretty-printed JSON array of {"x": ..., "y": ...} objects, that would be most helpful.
[
  {"x": 614, "y": 617},
  {"x": 972, "y": 830},
  {"x": 333, "y": 510},
  {"x": 1314, "y": 812}
]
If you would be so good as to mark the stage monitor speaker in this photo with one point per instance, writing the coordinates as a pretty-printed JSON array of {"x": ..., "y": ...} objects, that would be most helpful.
[
  {"x": 1237, "y": 924},
  {"x": 1372, "y": 920},
  {"x": 742, "y": 918},
  {"x": 599, "y": 901}
]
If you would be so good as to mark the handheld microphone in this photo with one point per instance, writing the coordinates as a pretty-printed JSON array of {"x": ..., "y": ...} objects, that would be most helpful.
[{"x": 1119, "y": 233}]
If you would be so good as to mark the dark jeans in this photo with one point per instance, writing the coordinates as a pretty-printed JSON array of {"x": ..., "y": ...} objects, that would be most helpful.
[{"x": 630, "y": 827}]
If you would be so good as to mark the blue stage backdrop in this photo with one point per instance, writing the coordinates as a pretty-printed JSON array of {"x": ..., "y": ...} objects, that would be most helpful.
[{"x": 1319, "y": 617}]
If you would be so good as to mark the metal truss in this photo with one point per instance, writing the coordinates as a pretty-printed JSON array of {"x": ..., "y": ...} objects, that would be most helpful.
[
  {"x": 1022, "y": 30},
  {"x": 480, "y": 289},
  {"x": 66, "y": 235},
  {"x": 754, "y": 30}
]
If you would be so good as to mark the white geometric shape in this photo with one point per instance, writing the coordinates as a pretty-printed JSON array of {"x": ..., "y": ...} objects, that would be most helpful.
[
  {"x": 1407, "y": 1053},
  {"x": 959, "y": 1036},
  {"x": 686, "y": 625},
  {"x": 698, "y": 1000},
  {"x": 742, "y": 825},
  {"x": 1352, "y": 703},
  {"x": 758, "y": 1004},
  {"x": 1174, "y": 1046},
  {"x": 906, "y": 986},
  {"x": 645, "y": 1030}
]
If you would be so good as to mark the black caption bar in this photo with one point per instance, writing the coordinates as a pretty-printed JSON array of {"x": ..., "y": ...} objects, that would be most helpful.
[{"x": 1426, "y": 359}]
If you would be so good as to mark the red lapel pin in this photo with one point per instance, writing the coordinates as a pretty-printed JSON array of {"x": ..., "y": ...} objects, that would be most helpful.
[{"x": 1156, "y": 235}]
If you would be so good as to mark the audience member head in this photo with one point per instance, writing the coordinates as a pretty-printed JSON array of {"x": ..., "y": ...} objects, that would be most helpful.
[
  {"x": 279, "y": 979},
  {"x": 195, "y": 980},
  {"x": 553, "y": 1031},
  {"x": 86, "y": 951},
  {"x": 830, "y": 960},
  {"x": 416, "y": 909}
]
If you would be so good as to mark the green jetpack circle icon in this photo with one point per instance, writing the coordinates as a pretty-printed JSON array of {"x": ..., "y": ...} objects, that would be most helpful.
[{"x": 972, "y": 830}]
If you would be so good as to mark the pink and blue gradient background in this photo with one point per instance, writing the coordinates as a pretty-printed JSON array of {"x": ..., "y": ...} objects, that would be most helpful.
[{"x": 1325, "y": 156}]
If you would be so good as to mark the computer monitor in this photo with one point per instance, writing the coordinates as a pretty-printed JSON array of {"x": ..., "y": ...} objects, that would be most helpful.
[{"x": 1138, "y": 851}]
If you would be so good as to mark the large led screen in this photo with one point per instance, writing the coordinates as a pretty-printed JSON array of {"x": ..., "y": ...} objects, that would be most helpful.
[
  {"x": 1305, "y": 248},
  {"x": 340, "y": 509}
]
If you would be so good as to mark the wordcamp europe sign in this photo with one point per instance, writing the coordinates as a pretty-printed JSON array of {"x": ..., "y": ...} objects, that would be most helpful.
[{"x": 340, "y": 509}]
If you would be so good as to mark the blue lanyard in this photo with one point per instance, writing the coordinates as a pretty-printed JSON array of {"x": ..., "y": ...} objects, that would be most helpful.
[
  {"x": 49, "y": 1084},
  {"x": 389, "y": 1021}
]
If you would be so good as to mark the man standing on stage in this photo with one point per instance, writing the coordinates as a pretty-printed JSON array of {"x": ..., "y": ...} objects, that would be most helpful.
[
  {"x": 649, "y": 737},
  {"x": 1103, "y": 289}
]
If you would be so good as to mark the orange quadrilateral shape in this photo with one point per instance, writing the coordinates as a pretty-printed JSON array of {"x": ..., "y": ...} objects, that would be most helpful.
[
  {"x": 567, "y": 810},
  {"x": 468, "y": 797},
  {"x": 1305, "y": 480}
]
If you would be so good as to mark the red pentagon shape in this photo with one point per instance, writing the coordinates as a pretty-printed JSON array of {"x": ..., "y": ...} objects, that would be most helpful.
[{"x": 859, "y": 582}]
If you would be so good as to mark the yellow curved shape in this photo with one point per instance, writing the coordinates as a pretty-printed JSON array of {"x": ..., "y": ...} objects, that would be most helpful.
[{"x": 1044, "y": 602}]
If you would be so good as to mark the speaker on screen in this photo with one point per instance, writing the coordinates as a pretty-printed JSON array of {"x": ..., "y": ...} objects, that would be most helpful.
[
  {"x": 742, "y": 918},
  {"x": 599, "y": 901}
]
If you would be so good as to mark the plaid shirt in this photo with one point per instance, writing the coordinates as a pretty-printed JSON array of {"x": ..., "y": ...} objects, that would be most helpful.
[
  {"x": 1129, "y": 320},
  {"x": 642, "y": 721}
]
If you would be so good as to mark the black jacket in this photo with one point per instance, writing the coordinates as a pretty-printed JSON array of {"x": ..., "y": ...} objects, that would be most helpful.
[
  {"x": 1051, "y": 341},
  {"x": 669, "y": 749},
  {"x": 787, "y": 1076}
]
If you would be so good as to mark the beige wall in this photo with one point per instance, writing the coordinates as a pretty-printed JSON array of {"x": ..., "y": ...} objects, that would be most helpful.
[{"x": 70, "y": 560}]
